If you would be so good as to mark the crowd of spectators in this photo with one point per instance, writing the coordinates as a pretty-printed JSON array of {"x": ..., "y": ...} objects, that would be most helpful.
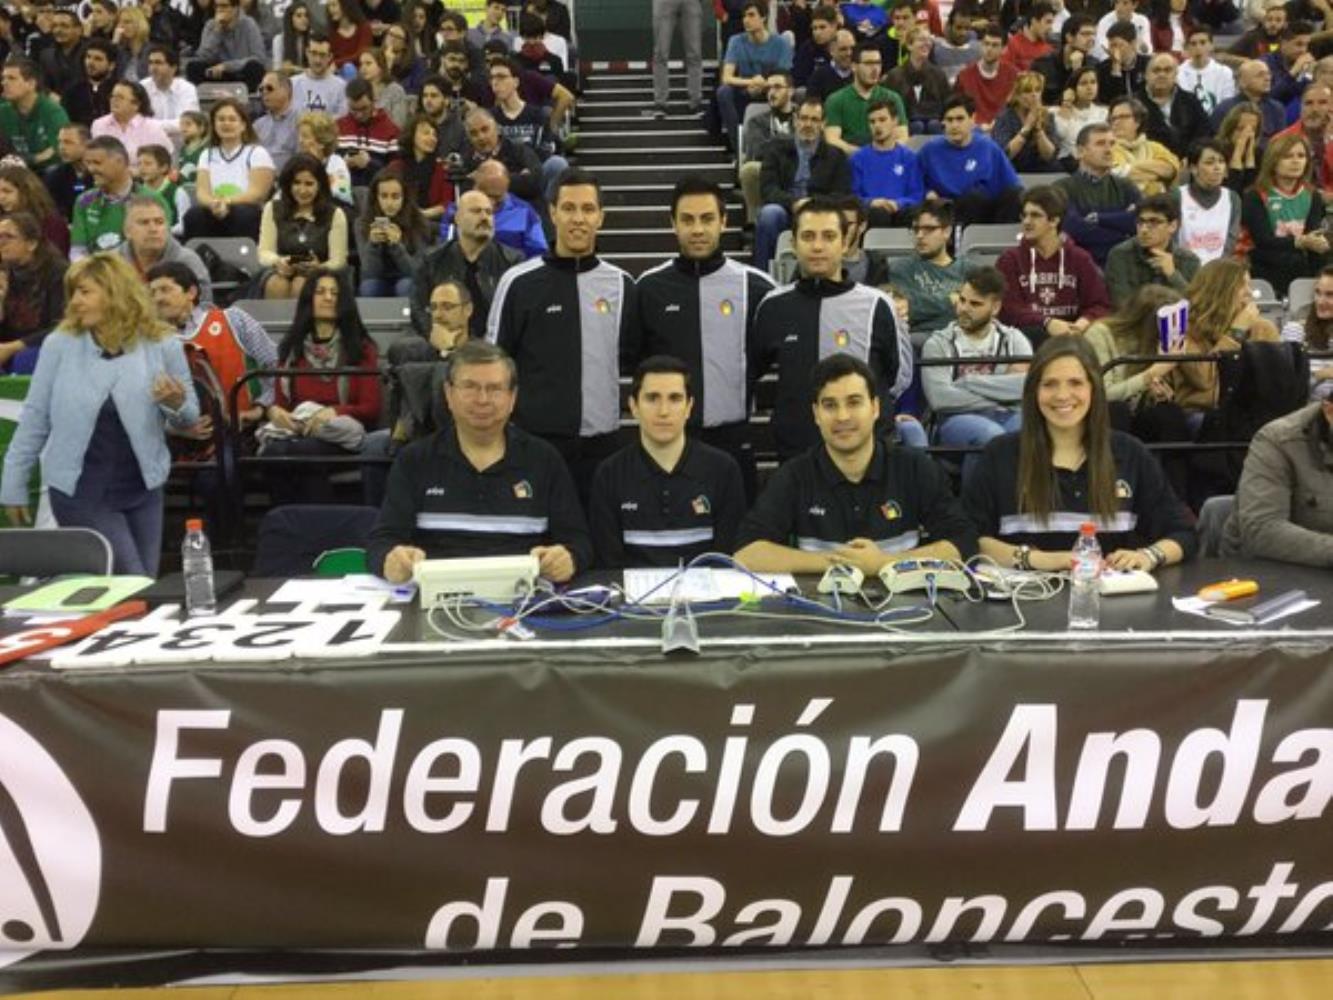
[{"x": 380, "y": 153}]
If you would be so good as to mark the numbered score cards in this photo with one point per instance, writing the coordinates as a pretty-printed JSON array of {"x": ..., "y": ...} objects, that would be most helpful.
[{"x": 237, "y": 635}]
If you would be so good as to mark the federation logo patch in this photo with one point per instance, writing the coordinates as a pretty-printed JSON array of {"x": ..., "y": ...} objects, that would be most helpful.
[
  {"x": 891, "y": 510},
  {"x": 725, "y": 307},
  {"x": 523, "y": 490},
  {"x": 842, "y": 338},
  {"x": 602, "y": 306},
  {"x": 215, "y": 328},
  {"x": 1122, "y": 490},
  {"x": 700, "y": 505}
]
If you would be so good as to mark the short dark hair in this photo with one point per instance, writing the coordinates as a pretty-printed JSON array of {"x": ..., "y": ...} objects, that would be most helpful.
[
  {"x": 959, "y": 101},
  {"x": 1135, "y": 106},
  {"x": 993, "y": 30},
  {"x": 357, "y": 88},
  {"x": 110, "y": 145},
  {"x": 986, "y": 280},
  {"x": 166, "y": 52},
  {"x": 888, "y": 106},
  {"x": 1163, "y": 204},
  {"x": 862, "y": 48},
  {"x": 826, "y": 13},
  {"x": 837, "y": 366},
  {"x": 1199, "y": 29},
  {"x": 819, "y": 204},
  {"x": 1296, "y": 29},
  {"x": 141, "y": 99},
  {"x": 692, "y": 184},
  {"x": 531, "y": 25},
  {"x": 851, "y": 203},
  {"x": 660, "y": 364},
  {"x": 941, "y": 210},
  {"x": 158, "y": 153},
  {"x": 1039, "y": 10},
  {"x": 1123, "y": 30},
  {"x": 1073, "y": 25},
  {"x": 102, "y": 45},
  {"x": 509, "y": 64},
  {"x": 456, "y": 18},
  {"x": 1049, "y": 198},
  {"x": 759, "y": 5},
  {"x": 1086, "y": 133},
  {"x": 576, "y": 177},
  {"x": 317, "y": 37},
  {"x": 1201, "y": 146},
  {"x": 454, "y": 47},
  {"x": 177, "y": 273},
  {"x": 815, "y": 100}
]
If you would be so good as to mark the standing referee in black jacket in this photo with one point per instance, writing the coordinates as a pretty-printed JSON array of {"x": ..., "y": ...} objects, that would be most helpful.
[
  {"x": 569, "y": 321},
  {"x": 699, "y": 307}
]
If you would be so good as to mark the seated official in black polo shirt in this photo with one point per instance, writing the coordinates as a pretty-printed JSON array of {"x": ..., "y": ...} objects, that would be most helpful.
[
  {"x": 855, "y": 499},
  {"x": 481, "y": 487},
  {"x": 667, "y": 497},
  {"x": 1032, "y": 490}
]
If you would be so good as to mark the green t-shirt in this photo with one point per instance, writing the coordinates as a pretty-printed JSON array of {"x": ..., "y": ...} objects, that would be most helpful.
[
  {"x": 1287, "y": 213},
  {"x": 99, "y": 219},
  {"x": 36, "y": 133},
  {"x": 189, "y": 163},
  {"x": 847, "y": 109}
]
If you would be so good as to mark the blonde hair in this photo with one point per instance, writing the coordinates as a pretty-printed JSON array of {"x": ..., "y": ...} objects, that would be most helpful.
[
  {"x": 139, "y": 18},
  {"x": 1212, "y": 296},
  {"x": 1023, "y": 83},
  {"x": 130, "y": 315},
  {"x": 322, "y": 127}
]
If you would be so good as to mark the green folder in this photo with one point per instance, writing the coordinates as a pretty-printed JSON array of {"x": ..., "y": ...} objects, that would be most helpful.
[{"x": 79, "y": 594}]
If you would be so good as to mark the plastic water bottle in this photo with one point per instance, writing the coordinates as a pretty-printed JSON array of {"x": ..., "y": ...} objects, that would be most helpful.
[
  {"x": 197, "y": 566},
  {"x": 1085, "y": 596}
]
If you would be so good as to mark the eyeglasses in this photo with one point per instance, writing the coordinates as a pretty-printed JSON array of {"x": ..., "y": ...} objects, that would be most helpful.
[
  {"x": 445, "y": 306},
  {"x": 1151, "y": 223},
  {"x": 1122, "y": 117},
  {"x": 469, "y": 388}
]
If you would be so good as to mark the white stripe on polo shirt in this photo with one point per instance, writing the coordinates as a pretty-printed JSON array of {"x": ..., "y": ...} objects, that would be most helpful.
[
  {"x": 898, "y": 543},
  {"x": 482, "y": 524},
  {"x": 667, "y": 538},
  {"x": 1061, "y": 521}
]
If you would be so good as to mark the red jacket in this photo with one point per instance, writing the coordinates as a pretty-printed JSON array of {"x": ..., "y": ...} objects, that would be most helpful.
[
  {"x": 1067, "y": 285},
  {"x": 1022, "y": 52},
  {"x": 363, "y": 391}
]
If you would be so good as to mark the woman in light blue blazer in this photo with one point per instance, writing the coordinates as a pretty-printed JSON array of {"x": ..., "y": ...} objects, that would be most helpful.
[{"x": 108, "y": 381}]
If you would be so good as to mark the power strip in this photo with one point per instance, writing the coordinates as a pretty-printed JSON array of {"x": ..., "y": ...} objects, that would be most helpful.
[
  {"x": 502, "y": 579},
  {"x": 841, "y": 579},
  {"x": 922, "y": 574}
]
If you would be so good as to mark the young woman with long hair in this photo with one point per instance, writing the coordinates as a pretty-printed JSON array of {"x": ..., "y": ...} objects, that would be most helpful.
[
  {"x": 1316, "y": 330},
  {"x": 131, "y": 39},
  {"x": 391, "y": 236},
  {"x": 1239, "y": 136},
  {"x": 1282, "y": 216},
  {"x": 349, "y": 32},
  {"x": 1033, "y": 489},
  {"x": 1078, "y": 107},
  {"x": 1223, "y": 313},
  {"x": 373, "y": 67},
  {"x": 107, "y": 383},
  {"x": 407, "y": 68},
  {"x": 289, "y": 44},
  {"x": 1025, "y": 130},
  {"x": 302, "y": 230},
  {"x": 326, "y": 333},
  {"x": 32, "y": 290},
  {"x": 21, "y": 190},
  {"x": 422, "y": 167}
]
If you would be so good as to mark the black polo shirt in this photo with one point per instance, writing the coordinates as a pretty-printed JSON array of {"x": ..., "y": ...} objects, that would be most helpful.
[
  {"x": 437, "y": 501},
  {"x": 1149, "y": 510},
  {"x": 902, "y": 502},
  {"x": 643, "y": 515}
]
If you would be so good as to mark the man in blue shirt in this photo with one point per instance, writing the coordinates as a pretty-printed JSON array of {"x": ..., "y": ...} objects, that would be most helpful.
[
  {"x": 970, "y": 169},
  {"x": 749, "y": 60},
  {"x": 886, "y": 175},
  {"x": 517, "y": 223}
]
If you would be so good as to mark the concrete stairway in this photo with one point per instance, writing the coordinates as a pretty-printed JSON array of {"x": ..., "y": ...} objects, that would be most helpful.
[{"x": 638, "y": 160}]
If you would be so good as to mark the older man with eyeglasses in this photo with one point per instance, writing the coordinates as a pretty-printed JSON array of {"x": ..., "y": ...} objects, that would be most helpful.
[{"x": 276, "y": 128}]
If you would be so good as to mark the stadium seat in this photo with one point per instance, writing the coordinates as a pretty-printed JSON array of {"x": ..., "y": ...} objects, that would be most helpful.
[
  {"x": 386, "y": 320},
  {"x": 43, "y": 552},
  {"x": 211, "y": 93},
  {"x": 988, "y": 238},
  {"x": 751, "y": 110},
  {"x": 1030, "y": 181},
  {"x": 294, "y": 539},
  {"x": 1213, "y": 517},
  {"x": 1299, "y": 297},
  {"x": 915, "y": 142},
  {"x": 1270, "y": 306},
  {"x": 783, "y": 265},
  {"x": 239, "y": 251},
  {"x": 889, "y": 242},
  {"x": 274, "y": 315}
]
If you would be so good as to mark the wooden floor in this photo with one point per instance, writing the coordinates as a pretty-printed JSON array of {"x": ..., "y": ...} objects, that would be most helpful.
[{"x": 1279, "y": 980}]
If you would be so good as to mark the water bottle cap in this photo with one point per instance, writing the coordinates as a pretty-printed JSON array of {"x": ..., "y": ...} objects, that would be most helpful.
[
  {"x": 1087, "y": 528},
  {"x": 194, "y": 524}
]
